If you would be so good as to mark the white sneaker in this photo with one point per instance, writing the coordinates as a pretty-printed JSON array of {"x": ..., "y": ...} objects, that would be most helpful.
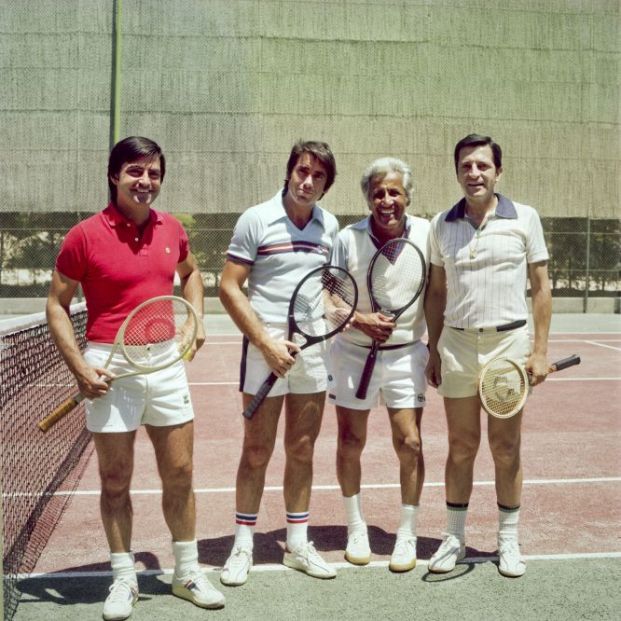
[
  {"x": 120, "y": 602},
  {"x": 305, "y": 558},
  {"x": 358, "y": 551},
  {"x": 404, "y": 555},
  {"x": 237, "y": 566},
  {"x": 450, "y": 551},
  {"x": 510, "y": 562},
  {"x": 197, "y": 589}
]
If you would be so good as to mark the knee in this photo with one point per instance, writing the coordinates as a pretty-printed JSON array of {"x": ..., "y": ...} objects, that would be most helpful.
[
  {"x": 463, "y": 447},
  {"x": 505, "y": 451},
  {"x": 114, "y": 484},
  {"x": 409, "y": 448},
  {"x": 255, "y": 457},
  {"x": 301, "y": 450},
  {"x": 178, "y": 477},
  {"x": 350, "y": 445}
]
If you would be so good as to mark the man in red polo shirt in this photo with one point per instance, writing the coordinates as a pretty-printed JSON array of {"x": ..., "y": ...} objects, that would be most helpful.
[{"x": 122, "y": 256}]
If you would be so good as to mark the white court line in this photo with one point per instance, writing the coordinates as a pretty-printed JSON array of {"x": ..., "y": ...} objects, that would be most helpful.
[
  {"x": 338, "y": 565},
  {"x": 331, "y": 488},
  {"x": 602, "y": 345}
]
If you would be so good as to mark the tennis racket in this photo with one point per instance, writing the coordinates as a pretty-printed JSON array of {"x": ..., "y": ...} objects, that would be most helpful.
[
  {"x": 503, "y": 385},
  {"x": 322, "y": 304},
  {"x": 155, "y": 335},
  {"x": 395, "y": 279}
]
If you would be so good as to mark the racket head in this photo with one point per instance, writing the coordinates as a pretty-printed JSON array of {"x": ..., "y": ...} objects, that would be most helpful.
[
  {"x": 323, "y": 303},
  {"x": 158, "y": 332},
  {"x": 396, "y": 276},
  {"x": 503, "y": 387}
]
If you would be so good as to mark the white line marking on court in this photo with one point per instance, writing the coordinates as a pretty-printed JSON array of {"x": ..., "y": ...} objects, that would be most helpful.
[
  {"x": 331, "y": 488},
  {"x": 338, "y": 565},
  {"x": 602, "y": 345},
  {"x": 207, "y": 343},
  {"x": 213, "y": 383}
]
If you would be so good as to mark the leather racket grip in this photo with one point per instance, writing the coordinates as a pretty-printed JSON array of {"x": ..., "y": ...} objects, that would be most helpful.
[
  {"x": 59, "y": 412},
  {"x": 258, "y": 399},
  {"x": 365, "y": 378},
  {"x": 566, "y": 362}
]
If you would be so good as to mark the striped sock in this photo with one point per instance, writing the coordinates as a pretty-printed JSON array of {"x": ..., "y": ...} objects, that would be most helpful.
[
  {"x": 297, "y": 529},
  {"x": 244, "y": 529}
]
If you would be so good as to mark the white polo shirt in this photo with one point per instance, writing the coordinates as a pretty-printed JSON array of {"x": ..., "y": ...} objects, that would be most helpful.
[
  {"x": 486, "y": 268},
  {"x": 279, "y": 253},
  {"x": 354, "y": 249}
]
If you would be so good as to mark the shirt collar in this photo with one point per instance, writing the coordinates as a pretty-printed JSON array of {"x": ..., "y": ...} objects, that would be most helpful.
[
  {"x": 276, "y": 210},
  {"x": 114, "y": 217},
  {"x": 504, "y": 209}
]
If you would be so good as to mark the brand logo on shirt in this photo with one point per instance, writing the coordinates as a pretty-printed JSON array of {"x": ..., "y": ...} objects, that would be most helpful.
[
  {"x": 420, "y": 398},
  {"x": 167, "y": 250}
]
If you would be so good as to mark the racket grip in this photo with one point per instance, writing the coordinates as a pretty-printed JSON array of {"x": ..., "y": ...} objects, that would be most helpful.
[
  {"x": 258, "y": 399},
  {"x": 365, "y": 378},
  {"x": 59, "y": 412},
  {"x": 566, "y": 362}
]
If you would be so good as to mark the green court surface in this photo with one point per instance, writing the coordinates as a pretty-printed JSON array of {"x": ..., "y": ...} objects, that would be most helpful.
[{"x": 560, "y": 588}]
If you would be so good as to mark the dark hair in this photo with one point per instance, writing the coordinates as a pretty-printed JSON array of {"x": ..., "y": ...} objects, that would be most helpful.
[
  {"x": 129, "y": 150},
  {"x": 320, "y": 151},
  {"x": 476, "y": 140}
]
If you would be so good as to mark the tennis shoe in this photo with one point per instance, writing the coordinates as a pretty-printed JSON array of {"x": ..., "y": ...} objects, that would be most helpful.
[
  {"x": 197, "y": 589},
  {"x": 305, "y": 558},
  {"x": 510, "y": 562},
  {"x": 237, "y": 566},
  {"x": 120, "y": 602},
  {"x": 358, "y": 551},
  {"x": 450, "y": 551},
  {"x": 403, "y": 557}
]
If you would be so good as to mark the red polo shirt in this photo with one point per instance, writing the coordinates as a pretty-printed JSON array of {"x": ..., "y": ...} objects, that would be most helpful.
[{"x": 118, "y": 267}]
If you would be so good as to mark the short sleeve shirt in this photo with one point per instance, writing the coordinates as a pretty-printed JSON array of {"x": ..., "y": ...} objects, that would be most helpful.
[
  {"x": 118, "y": 267},
  {"x": 279, "y": 253},
  {"x": 354, "y": 250},
  {"x": 486, "y": 268}
]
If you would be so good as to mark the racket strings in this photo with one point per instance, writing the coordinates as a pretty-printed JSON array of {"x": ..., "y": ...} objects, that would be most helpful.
[
  {"x": 324, "y": 302},
  {"x": 503, "y": 389}
]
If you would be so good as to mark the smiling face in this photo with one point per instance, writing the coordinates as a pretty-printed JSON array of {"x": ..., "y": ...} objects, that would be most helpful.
[
  {"x": 477, "y": 174},
  {"x": 137, "y": 185},
  {"x": 387, "y": 202}
]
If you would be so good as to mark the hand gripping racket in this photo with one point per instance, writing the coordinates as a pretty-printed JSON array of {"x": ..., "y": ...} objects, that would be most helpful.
[
  {"x": 321, "y": 305},
  {"x": 155, "y": 335},
  {"x": 503, "y": 385},
  {"x": 395, "y": 279}
]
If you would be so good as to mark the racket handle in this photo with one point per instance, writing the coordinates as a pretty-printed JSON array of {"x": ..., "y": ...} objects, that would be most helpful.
[
  {"x": 565, "y": 362},
  {"x": 62, "y": 410},
  {"x": 258, "y": 399},
  {"x": 367, "y": 372}
]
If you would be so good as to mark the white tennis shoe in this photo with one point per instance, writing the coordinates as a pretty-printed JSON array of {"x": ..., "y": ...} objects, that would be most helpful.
[
  {"x": 197, "y": 589},
  {"x": 403, "y": 556},
  {"x": 305, "y": 558},
  {"x": 237, "y": 566},
  {"x": 510, "y": 562},
  {"x": 450, "y": 551},
  {"x": 358, "y": 550},
  {"x": 120, "y": 602}
]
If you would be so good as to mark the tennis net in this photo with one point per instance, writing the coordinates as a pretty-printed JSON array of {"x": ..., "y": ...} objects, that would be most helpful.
[{"x": 39, "y": 471}]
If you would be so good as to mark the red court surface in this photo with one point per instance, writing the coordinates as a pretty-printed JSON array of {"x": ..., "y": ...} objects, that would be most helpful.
[{"x": 572, "y": 469}]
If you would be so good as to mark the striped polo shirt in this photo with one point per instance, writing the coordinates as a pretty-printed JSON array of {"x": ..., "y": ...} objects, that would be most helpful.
[
  {"x": 279, "y": 253},
  {"x": 486, "y": 268},
  {"x": 353, "y": 251}
]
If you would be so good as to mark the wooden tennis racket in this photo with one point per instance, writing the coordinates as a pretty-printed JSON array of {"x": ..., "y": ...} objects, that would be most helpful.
[
  {"x": 504, "y": 384},
  {"x": 395, "y": 279},
  {"x": 155, "y": 335},
  {"x": 321, "y": 305}
]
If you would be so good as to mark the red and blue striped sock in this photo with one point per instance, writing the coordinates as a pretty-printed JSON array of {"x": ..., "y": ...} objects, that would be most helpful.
[
  {"x": 297, "y": 529},
  {"x": 244, "y": 531}
]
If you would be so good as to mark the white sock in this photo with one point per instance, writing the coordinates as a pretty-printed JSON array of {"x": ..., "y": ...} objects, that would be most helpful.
[
  {"x": 456, "y": 521},
  {"x": 186, "y": 557},
  {"x": 353, "y": 511},
  {"x": 123, "y": 566},
  {"x": 508, "y": 520},
  {"x": 297, "y": 529},
  {"x": 407, "y": 525}
]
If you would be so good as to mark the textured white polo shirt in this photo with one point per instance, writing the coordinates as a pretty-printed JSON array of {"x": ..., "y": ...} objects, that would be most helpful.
[
  {"x": 279, "y": 253},
  {"x": 353, "y": 251},
  {"x": 486, "y": 268}
]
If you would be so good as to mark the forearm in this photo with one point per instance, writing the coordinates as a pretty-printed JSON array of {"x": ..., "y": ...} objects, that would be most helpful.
[
  {"x": 63, "y": 335},
  {"x": 435, "y": 304},
  {"x": 193, "y": 291},
  {"x": 542, "y": 314}
]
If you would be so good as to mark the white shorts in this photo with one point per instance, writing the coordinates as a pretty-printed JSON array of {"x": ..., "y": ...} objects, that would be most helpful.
[
  {"x": 161, "y": 399},
  {"x": 308, "y": 375},
  {"x": 398, "y": 377},
  {"x": 464, "y": 353}
]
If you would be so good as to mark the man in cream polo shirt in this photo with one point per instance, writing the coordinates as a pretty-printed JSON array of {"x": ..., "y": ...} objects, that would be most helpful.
[{"x": 482, "y": 251}]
